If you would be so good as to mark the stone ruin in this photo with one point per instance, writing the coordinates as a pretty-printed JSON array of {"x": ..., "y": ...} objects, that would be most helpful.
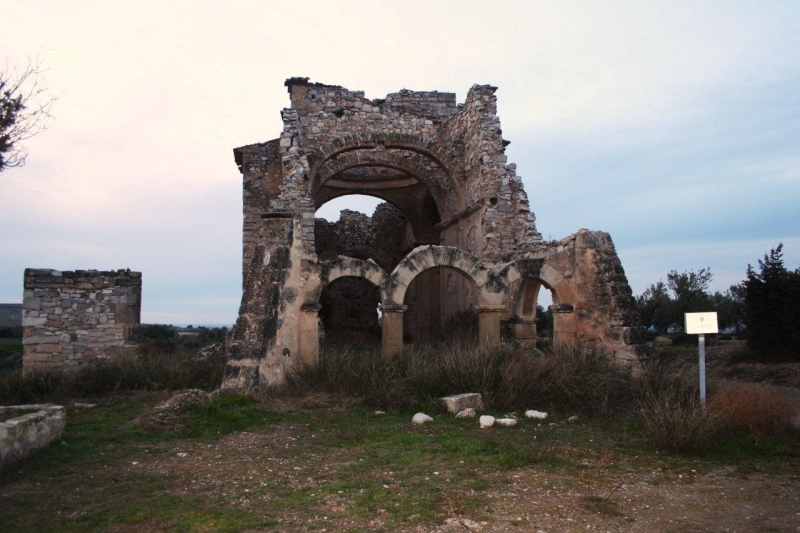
[
  {"x": 458, "y": 235},
  {"x": 72, "y": 317}
]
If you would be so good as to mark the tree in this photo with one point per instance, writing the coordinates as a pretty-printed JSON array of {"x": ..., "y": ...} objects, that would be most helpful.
[
  {"x": 655, "y": 306},
  {"x": 772, "y": 308},
  {"x": 25, "y": 106}
]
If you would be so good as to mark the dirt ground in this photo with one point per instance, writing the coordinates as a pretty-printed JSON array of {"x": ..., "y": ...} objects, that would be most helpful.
[{"x": 619, "y": 496}]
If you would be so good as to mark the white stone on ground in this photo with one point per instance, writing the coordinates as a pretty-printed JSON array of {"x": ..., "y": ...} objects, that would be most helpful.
[
  {"x": 466, "y": 413},
  {"x": 538, "y": 415},
  {"x": 421, "y": 418},
  {"x": 506, "y": 422},
  {"x": 380, "y": 412},
  {"x": 573, "y": 418},
  {"x": 486, "y": 421}
]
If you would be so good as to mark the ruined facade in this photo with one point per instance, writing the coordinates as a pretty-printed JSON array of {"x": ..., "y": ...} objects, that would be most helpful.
[
  {"x": 465, "y": 238},
  {"x": 70, "y": 318}
]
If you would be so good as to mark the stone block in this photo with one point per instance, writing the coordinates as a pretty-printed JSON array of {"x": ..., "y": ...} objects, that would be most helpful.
[{"x": 459, "y": 402}]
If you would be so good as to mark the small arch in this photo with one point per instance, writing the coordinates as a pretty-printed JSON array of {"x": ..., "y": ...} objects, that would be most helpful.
[
  {"x": 342, "y": 266},
  {"x": 424, "y": 258}
]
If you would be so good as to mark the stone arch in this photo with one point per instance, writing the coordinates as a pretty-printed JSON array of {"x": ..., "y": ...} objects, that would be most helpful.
[
  {"x": 424, "y": 258},
  {"x": 413, "y": 143},
  {"x": 524, "y": 279},
  {"x": 329, "y": 271}
]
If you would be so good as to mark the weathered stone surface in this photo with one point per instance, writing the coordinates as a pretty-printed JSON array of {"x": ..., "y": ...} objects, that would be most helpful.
[
  {"x": 486, "y": 421},
  {"x": 32, "y": 428},
  {"x": 459, "y": 237},
  {"x": 421, "y": 418},
  {"x": 469, "y": 412},
  {"x": 76, "y": 316},
  {"x": 538, "y": 415},
  {"x": 507, "y": 422},
  {"x": 458, "y": 402}
]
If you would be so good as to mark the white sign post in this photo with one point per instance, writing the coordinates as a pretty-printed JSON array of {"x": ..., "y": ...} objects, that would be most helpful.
[{"x": 700, "y": 324}]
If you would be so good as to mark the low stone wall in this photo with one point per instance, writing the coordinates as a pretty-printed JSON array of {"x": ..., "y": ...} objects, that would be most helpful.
[
  {"x": 72, "y": 317},
  {"x": 34, "y": 428}
]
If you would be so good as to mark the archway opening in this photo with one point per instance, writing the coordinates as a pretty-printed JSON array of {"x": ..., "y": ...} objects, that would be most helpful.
[
  {"x": 530, "y": 310},
  {"x": 366, "y": 228},
  {"x": 442, "y": 305},
  {"x": 349, "y": 313}
]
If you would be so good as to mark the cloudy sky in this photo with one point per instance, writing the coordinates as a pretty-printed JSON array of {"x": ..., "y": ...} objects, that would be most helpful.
[{"x": 675, "y": 126}]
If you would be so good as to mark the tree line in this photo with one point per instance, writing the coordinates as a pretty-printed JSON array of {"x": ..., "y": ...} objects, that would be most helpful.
[{"x": 764, "y": 308}]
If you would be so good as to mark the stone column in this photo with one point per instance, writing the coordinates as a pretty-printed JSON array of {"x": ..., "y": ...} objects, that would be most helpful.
[
  {"x": 392, "y": 329},
  {"x": 309, "y": 334},
  {"x": 524, "y": 329},
  {"x": 489, "y": 325}
]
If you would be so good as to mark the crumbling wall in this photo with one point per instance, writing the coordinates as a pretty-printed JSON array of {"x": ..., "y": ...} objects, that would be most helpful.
[
  {"x": 469, "y": 232},
  {"x": 73, "y": 317},
  {"x": 351, "y": 303}
]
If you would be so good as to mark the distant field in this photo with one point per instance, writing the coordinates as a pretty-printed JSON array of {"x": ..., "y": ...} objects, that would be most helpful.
[{"x": 8, "y": 346}]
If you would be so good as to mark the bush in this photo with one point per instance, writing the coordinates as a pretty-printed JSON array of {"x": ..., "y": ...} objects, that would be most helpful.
[
  {"x": 678, "y": 422},
  {"x": 148, "y": 371},
  {"x": 756, "y": 408},
  {"x": 508, "y": 378}
]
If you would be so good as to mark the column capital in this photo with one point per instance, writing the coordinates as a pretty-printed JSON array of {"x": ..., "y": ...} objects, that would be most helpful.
[
  {"x": 396, "y": 308},
  {"x": 489, "y": 309},
  {"x": 311, "y": 308}
]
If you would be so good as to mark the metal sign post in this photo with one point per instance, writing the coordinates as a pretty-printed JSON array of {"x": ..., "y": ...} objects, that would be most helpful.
[
  {"x": 700, "y": 324},
  {"x": 701, "y": 347}
]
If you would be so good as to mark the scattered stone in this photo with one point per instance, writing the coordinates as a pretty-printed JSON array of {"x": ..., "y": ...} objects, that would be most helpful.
[
  {"x": 84, "y": 405},
  {"x": 421, "y": 418},
  {"x": 184, "y": 399},
  {"x": 459, "y": 402},
  {"x": 466, "y": 413},
  {"x": 486, "y": 421},
  {"x": 464, "y": 523},
  {"x": 573, "y": 418},
  {"x": 538, "y": 415},
  {"x": 508, "y": 422},
  {"x": 183, "y": 454},
  {"x": 380, "y": 412}
]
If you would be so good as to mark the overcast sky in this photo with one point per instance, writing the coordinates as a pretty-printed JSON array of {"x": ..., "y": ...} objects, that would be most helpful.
[{"x": 675, "y": 126}]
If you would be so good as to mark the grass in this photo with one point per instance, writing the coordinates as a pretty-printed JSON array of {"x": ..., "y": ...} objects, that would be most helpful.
[
  {"x": 314, "y": 455},
  {"x": 254, "y": 465}
]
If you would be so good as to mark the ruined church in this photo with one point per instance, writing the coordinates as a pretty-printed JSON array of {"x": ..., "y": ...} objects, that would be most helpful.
[{"x": 456, "y": 236}]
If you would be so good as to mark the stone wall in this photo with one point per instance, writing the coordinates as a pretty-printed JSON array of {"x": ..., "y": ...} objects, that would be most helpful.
[
  {"x": 72, "y": 317},
  {"x": 350, "y": 303}
]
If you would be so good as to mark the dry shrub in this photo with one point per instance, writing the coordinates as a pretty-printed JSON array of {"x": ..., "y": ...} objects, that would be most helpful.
[
  {"x": 150, "y": 371},
  {"x": 669, "y": 406},
  {"x": 758, "y": 409},
  {"x": 680, "y": 423},
  {"x": 509, "y": 378}
]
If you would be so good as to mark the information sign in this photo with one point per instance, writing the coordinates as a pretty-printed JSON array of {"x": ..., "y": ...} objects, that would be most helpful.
[{"x": 699, "y": 323}]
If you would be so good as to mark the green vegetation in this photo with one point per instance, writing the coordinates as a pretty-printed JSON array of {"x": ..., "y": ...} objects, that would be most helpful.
[
  {"x": 320, "y": 461},
  {"x": 772, "y": 308}
]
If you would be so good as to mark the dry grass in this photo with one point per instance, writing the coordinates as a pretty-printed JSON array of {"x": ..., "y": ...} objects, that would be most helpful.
[
  {"x": 756, "y": 408},
  {"x": 150, "y": 370},
  {"x": 507, "y": 377}
]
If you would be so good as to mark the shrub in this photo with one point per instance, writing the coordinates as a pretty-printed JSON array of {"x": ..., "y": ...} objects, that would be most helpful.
[
  {"x": 148, "y": 371},
  {"x": 756, "y": 408},
  {"x": 680, "y": 423},
  {"x": 508, "y": 378}
]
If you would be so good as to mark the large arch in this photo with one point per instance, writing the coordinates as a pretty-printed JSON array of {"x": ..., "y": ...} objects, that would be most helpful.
[{"x": 428, "y": 147}]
